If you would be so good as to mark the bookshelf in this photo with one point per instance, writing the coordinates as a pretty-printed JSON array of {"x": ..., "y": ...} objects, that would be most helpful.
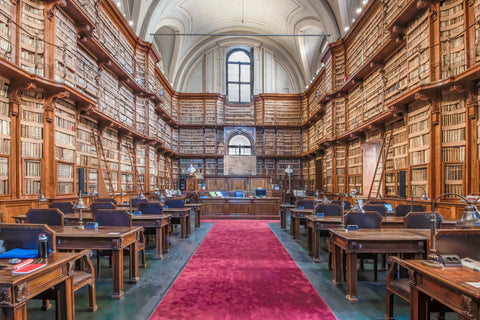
[
  {"x": 355, "y": 165},
  {"x": 355, "y": 108},
  {"x": 340, "y": 168},
  {"x": 86, "y": 74},
  {"x": 111, "y": 146},
  {"x": 86, "y": 152},
  {"x": 327, "y": 170},
  {"x": 453, "y": 121},
  {"x": 452, "y": 38},
  {"x": 5, "y": 29},
  {"x": 126, "y": 106},
  {"x": 372, "y": 101},
  {"x": 417, "y": 44},
  {"x": 65, "y": 141},
  {"x": 65, "y": 49},
  {"x": 5, "y": 138},
  {"x": 140, "y": 116},
  {"x": 141, "y": 162},
  {"x": 107, "y": 94},
  {"x": 418, "y": 145},
  {"x": 32, "y": 54},
  {"x": 397, "y": 157},
  {"x": 340, "y": 106},
  {"x": 395, "y": 75},
  {"x": 32, "y": 126}
]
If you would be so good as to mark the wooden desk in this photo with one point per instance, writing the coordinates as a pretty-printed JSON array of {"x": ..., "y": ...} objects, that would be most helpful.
[
  {"x": 296, "y": 216},
  {"x": 16, "y": 290},
  {"x": 105, "y": 238},
  {"x": 161, "y": 223},
  {"x": 448, "y": 286},
  {"x": 197, "y": 207},
  {"x": 315, "y": 226},
  {"x": 184, "y": 215},
  {"x": 369, "y": 241},
  {"x": 284, "y": 208},
  {"x": 240, "y": 208}
]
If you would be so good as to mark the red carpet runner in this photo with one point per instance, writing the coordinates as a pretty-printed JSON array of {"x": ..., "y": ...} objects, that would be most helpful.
[{"x": 241, "y": 271}]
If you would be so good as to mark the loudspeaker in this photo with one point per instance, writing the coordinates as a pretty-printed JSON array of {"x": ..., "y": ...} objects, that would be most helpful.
[
  {"x": 402, "y": 184},
  {"x": 81, "y": 180}
]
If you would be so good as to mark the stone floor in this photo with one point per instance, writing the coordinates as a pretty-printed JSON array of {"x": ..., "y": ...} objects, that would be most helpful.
[{"x": 141, "y": 299}]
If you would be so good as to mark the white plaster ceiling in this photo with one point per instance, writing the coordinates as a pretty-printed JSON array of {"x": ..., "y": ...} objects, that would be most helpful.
[{"x": 301, "y": 54}]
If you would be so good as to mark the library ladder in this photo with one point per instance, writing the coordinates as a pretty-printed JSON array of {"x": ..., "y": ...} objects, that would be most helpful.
[
  {"x": 380, "y": 167},
  {"x": 133, "y": 163},
  {"x": 101, "y": 158}
]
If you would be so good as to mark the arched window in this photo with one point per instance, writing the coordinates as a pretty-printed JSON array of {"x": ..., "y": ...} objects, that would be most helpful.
[
  {"x": 239, "y": 76},
  {"x": 239, "y": 145}
]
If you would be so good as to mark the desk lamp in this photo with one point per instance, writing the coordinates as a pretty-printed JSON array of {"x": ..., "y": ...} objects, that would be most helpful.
[
  {"x": 41, "y": 198},
  {"x": 424, "y": 196},
  {"x": 342, "y": 213},
  {"x": 141, "y": 196},
  {"x": 80, "y": 205},
  {"x": 289, "y": 171},
  {"x": 93, "y": 193},
  {"x": 357, "y": 206},
  {"x": 470, "y": 218}
]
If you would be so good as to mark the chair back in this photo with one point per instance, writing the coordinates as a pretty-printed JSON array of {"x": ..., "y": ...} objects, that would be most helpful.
[
  {"x": 380, "y": 208},
  {"x": 150, "y": 208},
  {"x": 421, "y": 220},
  {"x": 403, "y": 209},
  {"x": 25, "y": 236},
  {"x": 136, "y": 202},
  {"x": 51, "y": 216},
  {"x": 462, "y": 242},
  {"x": 329, "y": 209},
  {"x": 106, "y": 200},
  {"x": 367, "y": 220},
  {"x": 307, "y": 204},
  {"x": 194, "y": 198},
  {"x": 175, "y": 203},
  {"x": 65, "y": 206},
  {"x": 101, "y": 205},
  {"x": 113, "y": 217},
  {"x": 346, "y": 204}
]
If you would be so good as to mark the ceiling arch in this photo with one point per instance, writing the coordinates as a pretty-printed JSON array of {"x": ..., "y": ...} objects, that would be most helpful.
[{"x": 300, "y": 17}]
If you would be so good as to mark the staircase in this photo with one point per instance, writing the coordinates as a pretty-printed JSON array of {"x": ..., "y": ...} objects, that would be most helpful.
[
  {"x": 375, "y": 187},
  {"x": 102, "y": 166}
]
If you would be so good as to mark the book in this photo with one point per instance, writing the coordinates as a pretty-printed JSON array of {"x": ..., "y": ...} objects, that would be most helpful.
[
  {"x": 22, "y": 264},
  {"x": 29, "y": 268}
]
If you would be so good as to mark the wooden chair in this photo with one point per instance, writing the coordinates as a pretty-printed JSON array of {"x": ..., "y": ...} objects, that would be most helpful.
[
  {"x": 380, "y": 208},
  {"x": 25, "y": 236},
  {"x": 65, "y": 206},
  {"x": 329, "y": 209},
  {"x": 94, "y": 207},
  {"x": 51, "y": 216},
  {"x": 421, "y": 220},
  {"x": 402, "y": 209},
  {"x": 106, "y": 200},
  {"x": 136, "y": 202},
  {"x": 113, "y": 217},
  {"x": 346, "y": 204},
  {"x": 367, "y": 220},
  {"x": 461, "y": 242}
]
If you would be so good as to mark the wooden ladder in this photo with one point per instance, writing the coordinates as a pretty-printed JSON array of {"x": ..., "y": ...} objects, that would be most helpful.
[
  {"x": 102, "y": 189},
  {"x": 379, "y": 170},
  {"x": 133, "y": 163}
]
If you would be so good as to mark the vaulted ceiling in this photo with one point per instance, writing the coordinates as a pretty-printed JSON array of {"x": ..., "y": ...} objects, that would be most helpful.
[{"x": 158, "y": 20}]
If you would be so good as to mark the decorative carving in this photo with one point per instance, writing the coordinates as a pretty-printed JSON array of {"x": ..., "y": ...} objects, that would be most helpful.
[
  {"x": 85, "y": 32},
  {"x": 467, "y": 306},
  {"x": 411, "y": 277},
  {"x": 21, "y": 292},
  {"x": 50, "y": 7},
  {"x": 49, "y": 109},
  {"x": 15, "y": 97},
  {"x": 457, "y": 88},
  {"x": 70, "y": 268},
  {"x": 5, "y": 296}
]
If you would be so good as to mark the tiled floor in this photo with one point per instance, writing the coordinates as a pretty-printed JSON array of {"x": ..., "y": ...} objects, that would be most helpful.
[{"x": 141, "y": 299}]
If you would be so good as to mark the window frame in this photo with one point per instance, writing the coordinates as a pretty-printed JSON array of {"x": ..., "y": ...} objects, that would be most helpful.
[{"x": 238, "y": 81}]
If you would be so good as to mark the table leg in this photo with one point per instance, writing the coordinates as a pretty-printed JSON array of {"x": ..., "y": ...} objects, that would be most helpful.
[
  {"x": 418, "y": 304},
  {"x": 159, "y": 240},
  {"x": 17, "y": 312},
  {"x": 337, "y": 264},
  {"x": 283, "y": 219},
  {"x": 297, "y": 229},
  {"x": 166, "y": 245},
  {"x": 65, "y": 305},
  {"x": 197, "y": 217},
  {"x": 316, "y": 245},
  {"x": 133, "y": 268},
  {"x": 351, "y": 265},
  {"x": 117, "y": 270},
  {"x": 189, "y": 225},
  {"x": 309, "y": 240},
  {"x": 292, "y": 226},
  {"x": 182, "y": 226}
]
